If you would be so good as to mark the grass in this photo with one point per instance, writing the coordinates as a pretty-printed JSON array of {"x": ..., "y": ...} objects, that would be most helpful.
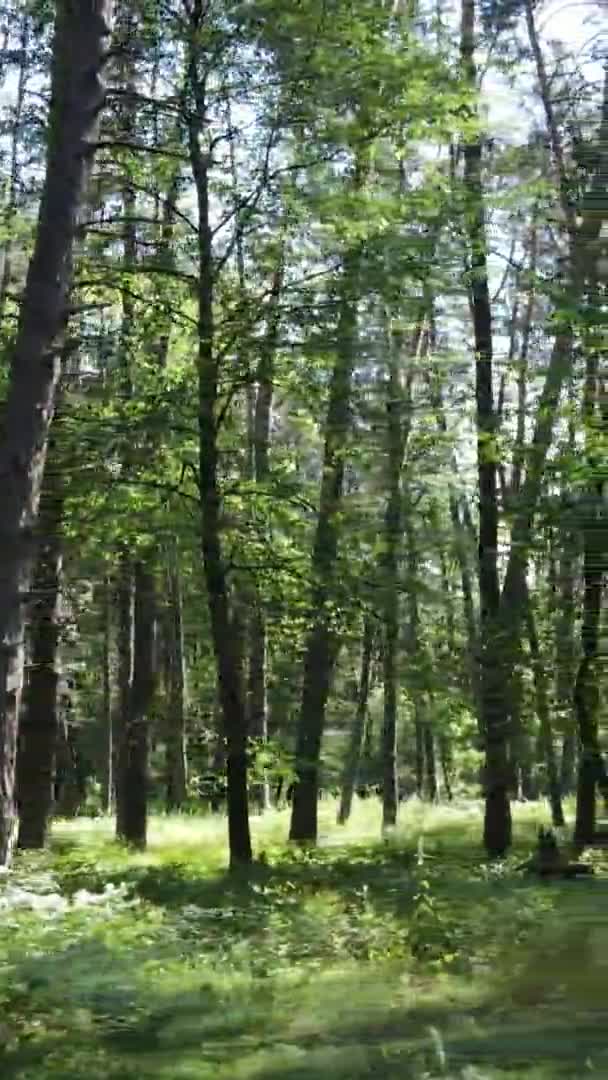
[{"x": 409, "y": 959}]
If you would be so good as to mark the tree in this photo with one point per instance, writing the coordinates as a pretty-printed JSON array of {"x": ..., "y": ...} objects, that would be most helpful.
[{"x": 77, "y": 97}]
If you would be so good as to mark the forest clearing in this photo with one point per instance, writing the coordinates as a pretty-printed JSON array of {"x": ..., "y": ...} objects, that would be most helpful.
[{"x": 410, "y": 959}]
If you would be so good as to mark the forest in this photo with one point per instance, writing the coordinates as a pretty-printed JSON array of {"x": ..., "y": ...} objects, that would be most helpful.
[{"x": 303, "y": 539}]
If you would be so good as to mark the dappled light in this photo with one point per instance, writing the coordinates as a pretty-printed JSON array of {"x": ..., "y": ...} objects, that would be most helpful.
[
  {"x": 403, "y": 959},
  {"x": 303, "y": 539}
]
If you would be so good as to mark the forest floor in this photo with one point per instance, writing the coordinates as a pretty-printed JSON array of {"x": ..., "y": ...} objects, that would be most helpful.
[{"x": 409, "y": 959}]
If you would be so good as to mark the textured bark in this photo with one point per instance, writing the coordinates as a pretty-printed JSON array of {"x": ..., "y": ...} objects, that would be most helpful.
[
  {"x": 494, "y": 716},
  {"x": 125, "y": 595},
  {"x": 565, "y": 651},
  {"x": 595, "y": 564},
  {"x": 321, "y": 644},
  {"x": 445, "y": 756},
  {"x": 77, "y": 96},
  {"x": 39, "y": 719},
  {"x": 175, "y": 733},
  {"x": 357, "y": 735},
  {"x": 430, "y": 770},
  {"x": 395, "y": 403},
  {"x": 541, "y": 687},
  {"x": 107, "y": 721},
  {"x": 231, "y": 689},
  {"x": 132, "y": 781},
  {"x": 257, "y": 704}
]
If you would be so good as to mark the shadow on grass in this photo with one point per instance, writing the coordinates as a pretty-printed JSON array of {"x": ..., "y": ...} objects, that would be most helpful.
[{"x": 110, "y": 1018}]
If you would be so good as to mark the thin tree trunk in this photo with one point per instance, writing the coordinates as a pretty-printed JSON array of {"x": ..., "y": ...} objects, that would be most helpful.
[
  {"x": 107, "y": 721},
  {"x": 544, "y": 720},
  {"x": 175, "y": 736},
  {"x": 357, "y": 735},
  {"x": 390, "y": 572},
  {"x": 595, "y": 563},
  {"x": 257, "y": 699},
  {"x": 431, "y": 785},
  {"x": 565, "y": 653},
  {"x": 133, "y": 781},
  {"x": 321, "y": 649},
  {"x": 494, "y": 717},
  {"x": 231, "y": 688},
  {"x": 39, "y": 720},
  {"x": 445, "y": 757},
  {"x": 77, "y": 96},
  {"x": 125, "y": 648},
  {"x": 10, "y": 209}
]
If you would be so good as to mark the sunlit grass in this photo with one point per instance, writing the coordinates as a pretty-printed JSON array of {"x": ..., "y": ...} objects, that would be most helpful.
[{"x": 409, "y": 959}]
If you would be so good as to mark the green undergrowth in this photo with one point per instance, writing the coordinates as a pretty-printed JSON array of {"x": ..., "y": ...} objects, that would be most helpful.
[{"x": 411, "y": 958}]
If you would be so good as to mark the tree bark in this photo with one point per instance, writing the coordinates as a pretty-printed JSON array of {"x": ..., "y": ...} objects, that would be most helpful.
[
  {"x": 77, "y": 97},
  {"x": 231, "y": 688},
  {"x": 107, "y": 721},
  {"x": 125, "y": 642},
  {"x": 390, "y": 573},
  {"x": 321, "y": 645},
  {"x": 38, "y": 729},
  {"x": 544, "y": 719},
  {"x": 494, "y": 719},
  {"x": 565, "y": 653},
  {"x": 175, "y": 734},
  {"x": 257, "y": 700},
  {"x": 132, "y": 788},
  {"x": 595, "y": 563},
  {"x": 432, "y": 787},
  {"x": 357, "y": 735}
]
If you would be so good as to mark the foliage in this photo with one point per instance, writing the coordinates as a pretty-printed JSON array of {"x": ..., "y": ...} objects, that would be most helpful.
[{"x": 357, "y": 958}]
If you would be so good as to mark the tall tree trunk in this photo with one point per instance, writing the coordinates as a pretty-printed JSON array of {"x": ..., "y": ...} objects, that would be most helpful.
[
  {"x": 445, "y": 757},
  {"x": 357, "y": 735},
  {"x": 107, "y": 716},
  {"x": 231, "y": 688},
  {"x": 494, "y": 720},
  {"x": 77, "y": 96},
  {"x": 544, "y": 719},
  {"x": 431, "y": 785},
  {"x": 390, "y": 573},
  {"x": 132, "y": 788},
  {"x": 16, "y": 134},
  {"x": 175, "y": 734},
  {"x": 38, "y": 731},
  {"x": 321, "y": 645},
  {"x": 565, "y": 652},
  {"x": 257, "y": 699},
  {"x": 595, "y": 564},
  {"x": 125, "y": 596}
]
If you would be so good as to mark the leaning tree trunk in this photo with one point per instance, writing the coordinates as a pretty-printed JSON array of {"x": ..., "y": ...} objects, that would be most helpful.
[
  {"x": 321, "y": 646},
  {"x": 132, "y": 783},
  {"x": 357, "y": 735},
  {"x": 77, "y": 96},
  {"x": 231, "y": 689},
  {"x": 38, "y": 730}
]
